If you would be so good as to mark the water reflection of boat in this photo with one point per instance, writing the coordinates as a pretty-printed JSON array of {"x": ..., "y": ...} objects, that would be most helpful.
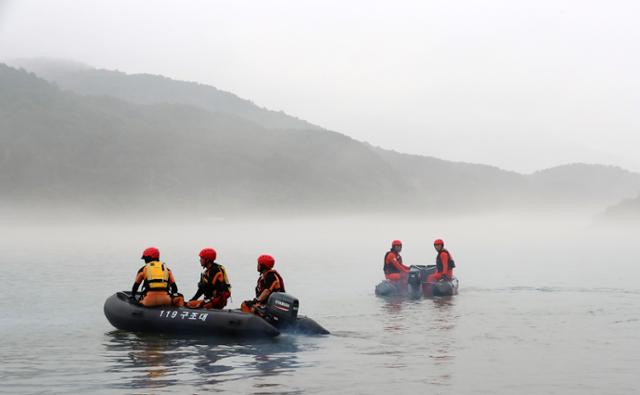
[
  {"x": 151, "y": 361},
  {"x": 124, "y": 313},
  {"x": 433, "y": 321}
]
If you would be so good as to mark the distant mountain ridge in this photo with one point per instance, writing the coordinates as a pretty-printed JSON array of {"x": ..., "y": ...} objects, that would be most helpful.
[
  {"x": 627, "y": 210},
  {"x": 155, "y": 89},
  {"x": 97, "y": 151},
  {"x": 65, "y": 147},
  {"x": 580, "y": 181}
]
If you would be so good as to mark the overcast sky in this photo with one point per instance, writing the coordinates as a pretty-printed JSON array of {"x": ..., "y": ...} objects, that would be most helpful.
[{"x": 522, "y": 84}]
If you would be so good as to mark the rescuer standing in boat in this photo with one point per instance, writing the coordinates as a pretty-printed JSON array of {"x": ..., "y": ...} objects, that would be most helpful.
[
  {"x": 214, "y": 283},
  {"x": 444, "y": 263},
  {"x": 269, "y": 281},
  {"x": 394, "y": 269},
  {"x": 157, "y": 279}
]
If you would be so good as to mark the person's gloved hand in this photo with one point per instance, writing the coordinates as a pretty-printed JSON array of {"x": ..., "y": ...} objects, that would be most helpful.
[{"x": 250, "y": 303}]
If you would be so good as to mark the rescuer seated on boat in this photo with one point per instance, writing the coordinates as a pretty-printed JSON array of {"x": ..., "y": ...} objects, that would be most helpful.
[
  {"x": 444, "y": 263},
  {"x": 158, "y": 282},
  {"x": 393, "y": 268},
  {"x": 214, "y": 283},
  {"x": 269, "y": 281}
]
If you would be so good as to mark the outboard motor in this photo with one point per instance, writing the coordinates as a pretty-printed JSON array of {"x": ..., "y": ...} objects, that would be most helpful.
[
  {"x": 415, "y": 277},
  {"x": 415, "y": 282},
  {"x": 419, "y": 274},
  {"x": 281, "y": 309}
]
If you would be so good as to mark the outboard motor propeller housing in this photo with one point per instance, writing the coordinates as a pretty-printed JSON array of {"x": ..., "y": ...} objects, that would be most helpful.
[{"x": 282, "y": 308}]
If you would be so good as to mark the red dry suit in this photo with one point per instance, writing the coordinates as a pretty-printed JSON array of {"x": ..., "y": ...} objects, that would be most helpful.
[
  {"x": 393, "y": 268},
  {"x": 444, "y": 266}
]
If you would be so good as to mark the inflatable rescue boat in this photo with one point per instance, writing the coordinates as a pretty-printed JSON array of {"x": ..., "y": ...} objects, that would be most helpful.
[
  {"x": 279, "y": 315},
  {"x": 417, "y": 284}
]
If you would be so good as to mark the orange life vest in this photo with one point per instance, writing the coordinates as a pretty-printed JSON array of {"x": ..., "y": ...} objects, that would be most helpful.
[{"x": 275, "y": 286}]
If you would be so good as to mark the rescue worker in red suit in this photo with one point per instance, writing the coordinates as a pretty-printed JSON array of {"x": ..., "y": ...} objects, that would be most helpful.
[
  {"x": 269, "y": 281},
  {"x": 159, "y": 286},
  {"x": 444, "y": 263},
  {"x": 214, "y": 283},
  {"x": 393, "y": 268}
]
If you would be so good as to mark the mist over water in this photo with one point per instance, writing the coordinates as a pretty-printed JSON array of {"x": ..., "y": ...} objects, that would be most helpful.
[
  {"x": 317, "y": 133},
  {"x": 546, "y": 304}
]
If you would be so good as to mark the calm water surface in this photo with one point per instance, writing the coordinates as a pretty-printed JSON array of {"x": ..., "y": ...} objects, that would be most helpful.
[{"x": 544, "y": 307}]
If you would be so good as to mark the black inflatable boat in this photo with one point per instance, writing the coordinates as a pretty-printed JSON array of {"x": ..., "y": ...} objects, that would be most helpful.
[
  {"x": 279, "y": 315},
  {"x": 417, "y": 285}
]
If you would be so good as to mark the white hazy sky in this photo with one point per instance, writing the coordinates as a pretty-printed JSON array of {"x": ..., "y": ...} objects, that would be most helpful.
[{"x": 521, "y": 84}]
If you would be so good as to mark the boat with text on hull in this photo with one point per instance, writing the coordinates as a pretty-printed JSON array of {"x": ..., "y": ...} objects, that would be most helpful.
[{"x": 278, "y": 316}]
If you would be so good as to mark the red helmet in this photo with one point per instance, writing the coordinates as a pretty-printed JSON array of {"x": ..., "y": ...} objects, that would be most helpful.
[
  {"x": 438, "y": 242},
  {"x": 266, "y": 261},
  {"x": 396, "y": 243},
  {"x": 151, "y": 252},
  {"x": 208, "y": 254}
]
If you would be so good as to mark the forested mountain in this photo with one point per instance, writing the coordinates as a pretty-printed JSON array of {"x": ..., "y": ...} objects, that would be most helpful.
[
  {"x": 155, "y": 89},
  {"x": 63, "y": 148},
  {"x": 58, "y": 146}
]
